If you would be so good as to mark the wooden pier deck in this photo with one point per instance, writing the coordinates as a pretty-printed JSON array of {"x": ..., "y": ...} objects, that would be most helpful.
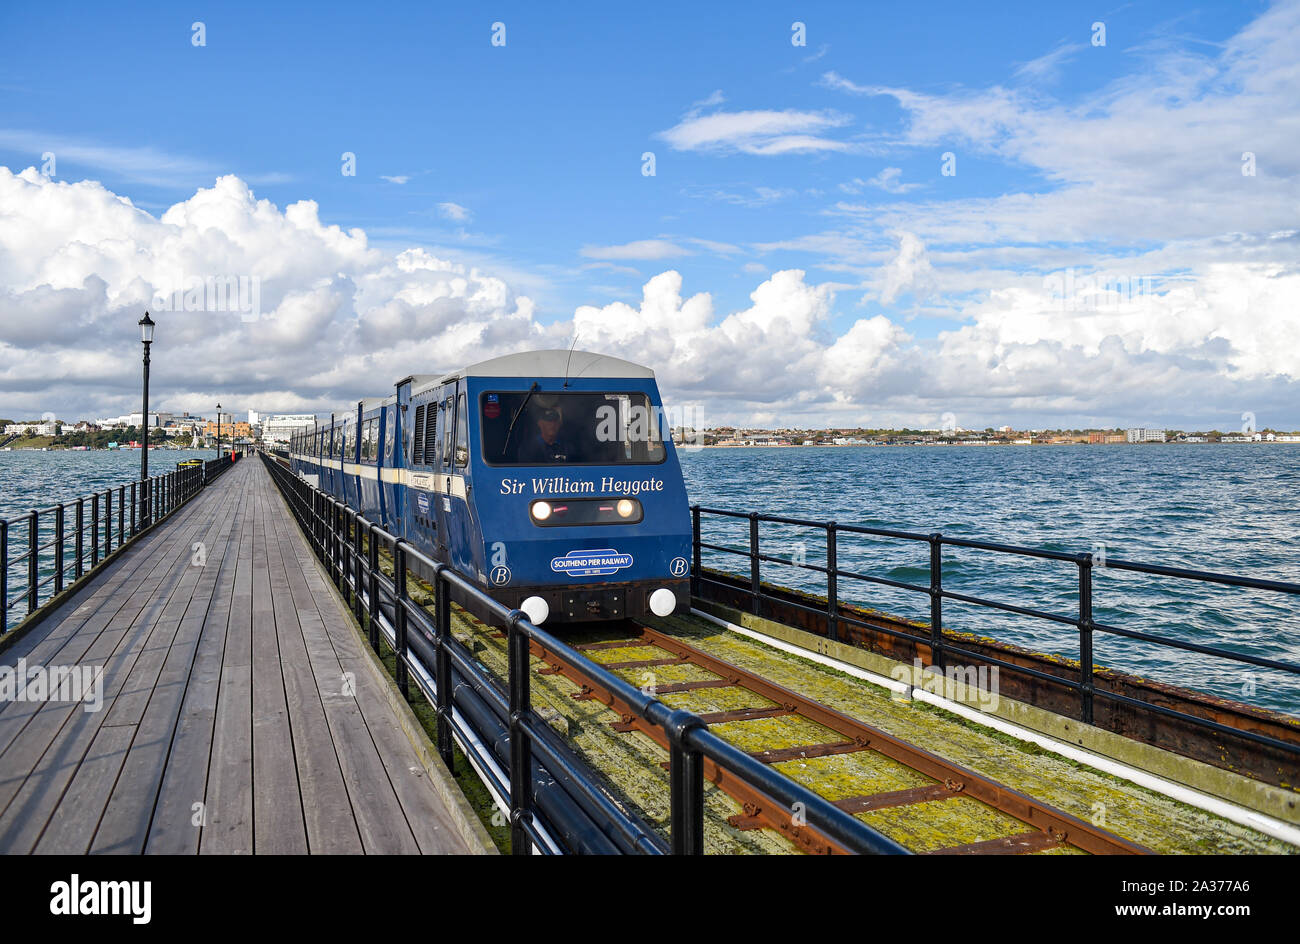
[{"x": 240, "y": 710}]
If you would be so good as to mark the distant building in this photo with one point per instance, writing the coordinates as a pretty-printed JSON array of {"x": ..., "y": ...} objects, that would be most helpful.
[
  {"x": 36, "y": 429},
  {"x": 135, "y": 419},
  {"x": 281, "y": 427},
  {"x": 1141, "y": 435},
  {"x": 229, "y": 430}
]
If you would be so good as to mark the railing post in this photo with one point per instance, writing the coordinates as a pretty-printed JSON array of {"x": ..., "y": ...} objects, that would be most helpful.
[
  {"x": 4, "y": 576},
  {"x": 832, "y": 584},
  {"x": 695, "y": 551},
  {"x": 1085, "y": 638},
  {"x": 335, "y": 570},
  {"x": 81, "y": 532},
  {"x": 356, "y": 566},
  {"x": 399, "y": 616},
  {"x": 372, "y": 552},
  {"x": 442, "y": 666},
  {"x": 94, "y": 529},
  {"x": 936, "y": 599},
  {"x": 33, "y": 572},
  {"x": 108, "y": 522},
  {"x": 521, "y": 753},
  {"x": 144, "y": 504},
  {"x": 754, "y": 584},
  {"x": 58, "y": 549},
  {"x": 135, "y": 513},
  {"x": 121, "y": 515},
  {"x": 686, "y": 794},
  {"x": 327, "y": 533},
  {"x": 336, "y": 521}
]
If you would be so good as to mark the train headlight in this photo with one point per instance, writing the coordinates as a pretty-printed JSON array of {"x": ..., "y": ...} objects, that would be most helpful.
[
  {"x": 541, "y": 510},
  {"x": 625, "y": 508},
  {"x": 662, "y": 602}
]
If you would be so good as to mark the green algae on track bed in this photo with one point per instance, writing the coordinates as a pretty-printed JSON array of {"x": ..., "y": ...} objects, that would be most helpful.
[
  {"x": 630, "y": 762},
  {"x": 1161, "y": 824}
]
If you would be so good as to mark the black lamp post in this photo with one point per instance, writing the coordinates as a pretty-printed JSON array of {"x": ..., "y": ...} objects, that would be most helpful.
[
  {"x": 218, "y": 430},
  {"x": 146, "y": 336}
]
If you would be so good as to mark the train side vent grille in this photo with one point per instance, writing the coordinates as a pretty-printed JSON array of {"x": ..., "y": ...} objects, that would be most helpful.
[
  {"x": 417, "y": 443},
  {"x": 431, "y": 435}
]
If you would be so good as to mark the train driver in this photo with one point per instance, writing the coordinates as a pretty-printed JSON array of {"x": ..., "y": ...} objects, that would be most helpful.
[{"x": 546, "y": 445}]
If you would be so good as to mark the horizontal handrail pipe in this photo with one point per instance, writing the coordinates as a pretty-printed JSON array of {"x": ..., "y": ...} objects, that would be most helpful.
[
  {"x": 734, "y": 559},
  {"x": 49, "y": 553}
]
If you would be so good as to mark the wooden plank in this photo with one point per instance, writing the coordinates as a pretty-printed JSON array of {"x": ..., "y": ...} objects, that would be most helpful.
[
  {"x": 327, "y": 809},
  {"x": 232, "y": 691},
  {"x": 375, "y": 804},
  {"x": 124, "y": 826},
  {"x": 48, "y": 769},
  {"x": 279, "y": 826},
  {"x": 73, "y": 822},
  {"x": 178, "y": 817}
]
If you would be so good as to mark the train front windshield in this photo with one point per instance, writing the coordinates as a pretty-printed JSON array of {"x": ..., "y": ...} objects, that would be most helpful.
[{"x": 569, "y": 428}]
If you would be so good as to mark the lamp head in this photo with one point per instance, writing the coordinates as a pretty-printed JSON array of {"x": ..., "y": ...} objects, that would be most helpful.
[{"x": 146, "y": 328}]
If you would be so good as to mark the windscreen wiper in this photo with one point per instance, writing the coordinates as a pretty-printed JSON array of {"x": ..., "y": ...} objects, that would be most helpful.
[{"x": 515, "y": 419}]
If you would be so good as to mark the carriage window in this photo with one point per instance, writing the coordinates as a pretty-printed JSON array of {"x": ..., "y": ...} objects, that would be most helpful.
[
  {"x": 570, "y": 428},
  {"x": 462, "y": 431}
]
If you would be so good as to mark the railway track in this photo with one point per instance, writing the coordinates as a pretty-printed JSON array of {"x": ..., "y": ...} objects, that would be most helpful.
[{"x": 800, "y": 730}]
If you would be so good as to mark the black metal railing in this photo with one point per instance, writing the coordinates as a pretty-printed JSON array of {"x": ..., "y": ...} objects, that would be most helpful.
[
  {"x": 941, "y": 647},
  {"x": 554, "y": 800},
  {"x": 49, "y": 550}
]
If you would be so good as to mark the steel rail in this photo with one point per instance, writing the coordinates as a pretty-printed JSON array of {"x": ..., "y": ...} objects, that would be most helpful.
[{"x": 1047, "y": 826}]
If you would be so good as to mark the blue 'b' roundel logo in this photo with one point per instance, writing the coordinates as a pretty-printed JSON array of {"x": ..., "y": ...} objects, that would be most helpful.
[
  {"x": 500, "y": 575},
  {"x": 679, "y": 567}
]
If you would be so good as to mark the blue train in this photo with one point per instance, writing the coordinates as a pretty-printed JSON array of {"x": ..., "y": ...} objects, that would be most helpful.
[{"x": 545, "y": 476}]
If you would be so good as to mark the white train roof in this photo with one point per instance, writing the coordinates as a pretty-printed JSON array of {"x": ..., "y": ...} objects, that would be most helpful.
[{"x": 557, "y": 363}]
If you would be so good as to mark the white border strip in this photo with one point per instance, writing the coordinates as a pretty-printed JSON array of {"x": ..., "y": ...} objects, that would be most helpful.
[{"x": 1176, "y": 791}]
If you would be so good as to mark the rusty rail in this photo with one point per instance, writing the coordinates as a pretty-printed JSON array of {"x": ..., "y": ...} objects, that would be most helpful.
[{"x": 1047, "y": 827}]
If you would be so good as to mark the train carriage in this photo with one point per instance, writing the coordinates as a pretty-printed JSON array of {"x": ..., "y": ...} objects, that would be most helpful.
[{"x": 546, "y": 476}]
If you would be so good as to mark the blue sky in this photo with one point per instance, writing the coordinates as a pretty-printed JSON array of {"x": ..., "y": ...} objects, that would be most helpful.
[{"x": 525, "y": 160}]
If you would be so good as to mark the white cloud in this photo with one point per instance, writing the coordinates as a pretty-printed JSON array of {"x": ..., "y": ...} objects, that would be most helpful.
[
  {"x": 1046, "y": 66},
  {"x": 79, "y": 265},
  {"x": 639, "y": 249},
  {"x": 454, "y": 211},
  {"x": 757, "y": 132},
  {"x": 397, "y": 179},
  {"x": 749, "y": 197},
  {"x": 342, "y": 320},
  {"x": 910, "y": 271},
  {"x": 887, "y": 180}
]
